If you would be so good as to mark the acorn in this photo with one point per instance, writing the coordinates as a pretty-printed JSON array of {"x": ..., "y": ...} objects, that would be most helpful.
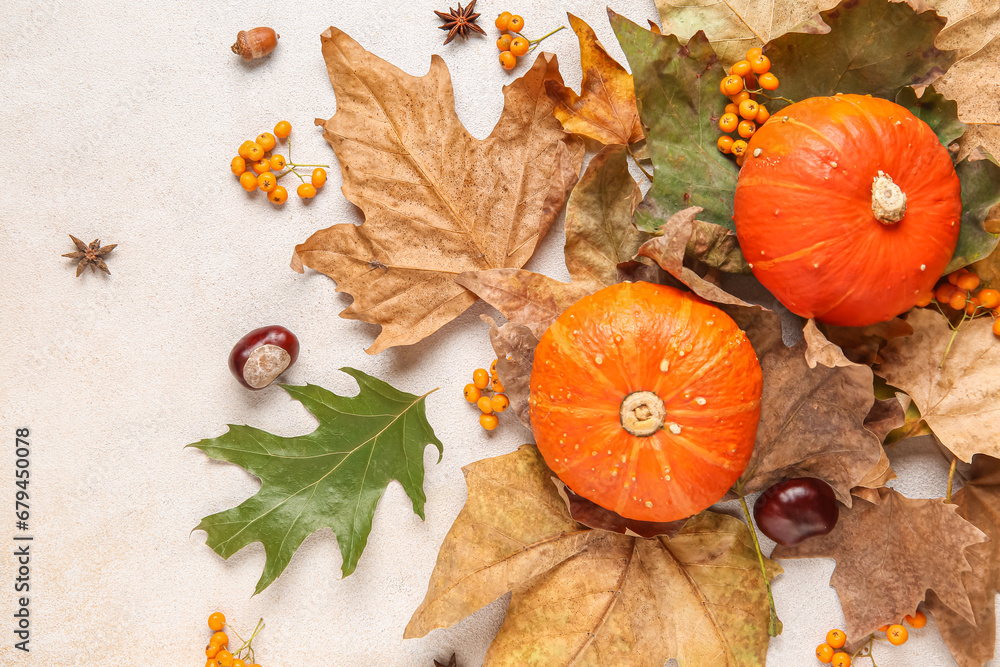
[{"x": 255, "y": 43}]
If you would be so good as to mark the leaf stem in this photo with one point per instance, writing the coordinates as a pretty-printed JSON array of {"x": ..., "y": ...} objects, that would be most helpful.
[
  {"x": 535, "y": 42},
  {"x": 647, "y": 174},
  {"x": 771, "y": 97},
  {"x": 951, "y": 479},
  {"x": 773, "y": 624}
]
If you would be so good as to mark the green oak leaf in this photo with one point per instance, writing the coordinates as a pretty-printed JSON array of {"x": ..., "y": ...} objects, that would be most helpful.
[
  {"x": 980, "y": 177},
  {"x": 874, "y": 47},
  {"x": 934, "y": 109},
  {"x": 332, "y": 477},
  {"x": 677, "y": 89}
]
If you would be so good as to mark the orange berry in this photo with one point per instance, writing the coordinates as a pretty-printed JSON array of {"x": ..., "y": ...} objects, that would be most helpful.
[
  {"x": 480, "y": 378},
  {"x": 515, "y": 23},
  {"x": 740, "y": 160},
  {"x": 897, "y": 635},
  {"x": 488, "y": 422},
  {"x": 277, "y": 162},
  {"x": 318, "y": 177},
  {"x": 519, "y": 46},
  {"x": 267, "y": 182},
  {"x": 989, "y": 298},
  {"x": 484, "y": 405},
  {"x": 918, "y": 620},
  {"x": 279, "y": 195},
  {"x": 282, "y": 129},
  {"x": 738, "y": 98},
  {"x": 504, "y": 42},
  {"x": 254, "y": 151},
  {"x": 726, "y": 144},
  {"x": 261, "y": 165},
  {"x": 970, "y": 308},
  {"x": 493, "y": 369},
  {"x": 472, "y": 393},
  {"x": 884, "y": 628},
  {"x": 238, "y": 165},
  {"x": 225, "y": 658},
  {"x": 728, "y": 122},
  {"x": 957, "y": 301},
  {"x": 944, "y": 292},
  {"x": 953, "y": 277},
  {"x": 212, "y": 650},
  {"x": 731, "y": 85},
  {"x": 925, "y": 299},
  {"x": 762, "y": 114},
  {"x": 732, "y": 108},
  {"x": 836, "y": 638},
  {"x": 749, "y": 109},
  {"x": 249, "y": 181},
  {"x": 212, "y": 663},
  {"x": 824, "y": 653},
  {"x": 219, "y": 639},
  {"x": 742, "y": 68},
  {"x": 753, "y": 54},
  {"x": 746, "y": 128},
  {"x": 502, "y": 21},
  {"x": 496, "y": 385},
  {"x": 841, "y": 659},
  {"x": 508, "y": 60},
  {"x": 761, "y": 64},
  {"x": 499, "y": 402},
  {"x": 739, "y": 148},
  {"x": 266, "y": 141},
  {"x": 967, "y": 281},
  {"x": 306, "y": 191},
  {"x": 996, "y": 327},
  {"x": 244, "y": 150},
  {"x": 239, "y": 663},
  {"x": 768, "y": 81}
]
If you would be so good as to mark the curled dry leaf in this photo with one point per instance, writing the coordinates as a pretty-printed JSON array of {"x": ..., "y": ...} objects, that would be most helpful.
[
  {"x": 591, "y": 596},
  {"x": 972, "y": 644},
  {"x": 819, "y": 350},
  {"x": 677, "y": 87},
  {"x": 885, "y": 416},
  {"x": 435, "y": 203},
  {"x": 514, "y": 345},
  {"x": 874, "y": 47},
  {"x": 957, "y": 400},
  {"x": 605, "y": 109},
  {"x": 593, "y": 515},
  {"x": 863, "y": 344},
  {"x": 924, "y": 538},
  {"x": 812, "y": 421}
]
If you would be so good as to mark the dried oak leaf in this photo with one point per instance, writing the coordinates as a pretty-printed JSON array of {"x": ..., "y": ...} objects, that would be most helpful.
[
  {"x": 874, "y": 542},
  {"x": 605, "y": 109},
  {"x": 591, "y": 597},
  {"x": 514, "y": 345},
  {"x": 874, "y": 47},
  {"x": 435, "y": 203},
  {"x": 978, "y": 502},
  {"x": 812, "y": 421},
  {"x": 599, "y": 236},
  {"x": 958, "y": 400},
  {"x": 677, "y": 87}
]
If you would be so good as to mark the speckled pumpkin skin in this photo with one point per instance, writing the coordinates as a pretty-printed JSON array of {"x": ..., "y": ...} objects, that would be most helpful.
[
  {"x": 634, "y": 337},
  {"x": 803, "y": 209}
]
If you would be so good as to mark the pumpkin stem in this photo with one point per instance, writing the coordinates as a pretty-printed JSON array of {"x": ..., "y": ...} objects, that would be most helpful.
[
  {"x": 643, "y": 413},
  {"x": 888, "y": 200}
]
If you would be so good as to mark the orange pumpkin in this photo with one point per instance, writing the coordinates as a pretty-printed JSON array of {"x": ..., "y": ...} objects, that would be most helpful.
[
  {"x": 645, "y": 400},
  {"x": 848, "y": 208}
]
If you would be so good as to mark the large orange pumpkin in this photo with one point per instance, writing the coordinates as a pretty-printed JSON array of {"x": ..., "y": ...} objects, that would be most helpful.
[
  {"x": 848, "y": 208},
  {"x": 645, "y": 400}
]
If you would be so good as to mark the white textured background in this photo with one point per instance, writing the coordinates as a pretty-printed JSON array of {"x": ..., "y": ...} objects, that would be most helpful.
[{"x": 119, "y": 120}]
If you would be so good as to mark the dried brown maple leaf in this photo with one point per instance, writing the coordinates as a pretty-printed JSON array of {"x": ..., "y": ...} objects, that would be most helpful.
[
  {"x": 874, "y": 542},
  {"x": 435, "y": 202},
  {"x": 590, "y": 597},
  {"x": 599, "y": 235},
  {"x": 514, "y": 345},
  {"x": 958, "y": 400},
  {"x": 812, "y": 421},
  {"x": 978, "y": 502},
  {"x": 606, "y": 108}
]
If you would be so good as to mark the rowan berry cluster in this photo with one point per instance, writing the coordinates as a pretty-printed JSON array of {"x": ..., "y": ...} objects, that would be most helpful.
[
  {"x": 830, "y": 653},
  {"x": 746, "y": 79},
  {"x": 512, "y": 43},
  {"x": 489, "y": 406},
  {"x": 259, "y": 170},
  {"x": 960, "y": 292},
  {"x": 219, "y": 651}
]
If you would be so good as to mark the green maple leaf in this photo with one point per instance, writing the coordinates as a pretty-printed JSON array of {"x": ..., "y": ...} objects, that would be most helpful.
[
  {"x": 940, "y": 113},
  {"x": 677, "y": 89},
  {"x": 332, "y": 477}
]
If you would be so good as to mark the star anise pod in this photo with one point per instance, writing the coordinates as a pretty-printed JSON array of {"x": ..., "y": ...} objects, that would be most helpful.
[
  {"x": 90, "y": 255},
  {"x": 460, "y": 22}
]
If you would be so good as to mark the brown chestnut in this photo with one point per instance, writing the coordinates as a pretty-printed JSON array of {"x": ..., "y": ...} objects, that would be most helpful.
[
  {"x": 255, "y": 43},
  {"x": 262, "y": 355}
]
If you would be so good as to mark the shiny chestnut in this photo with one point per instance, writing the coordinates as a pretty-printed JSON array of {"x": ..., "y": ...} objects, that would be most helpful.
[
  {"x": 262, "y": 355},
  {"x": 795, "y": 510}
]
